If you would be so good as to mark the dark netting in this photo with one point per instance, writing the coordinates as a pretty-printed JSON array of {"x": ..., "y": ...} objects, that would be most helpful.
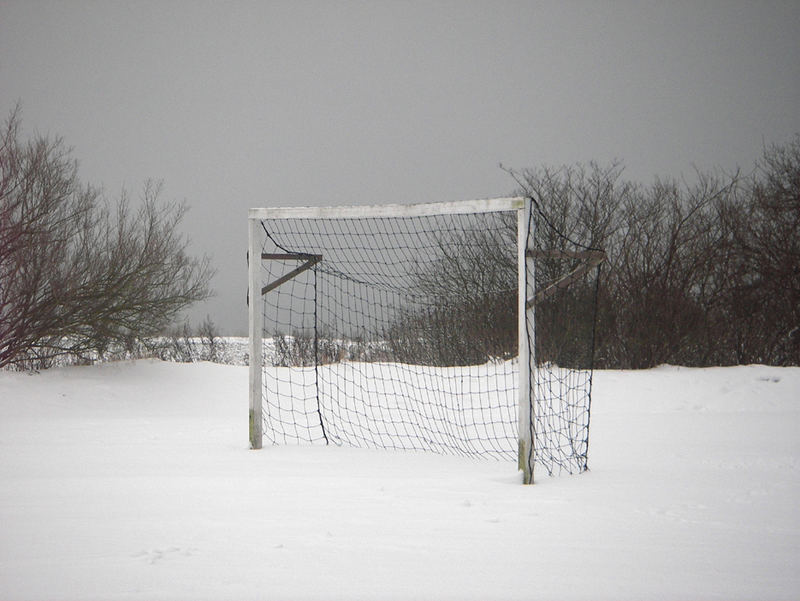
[
  {"x": 401, "y": 332},
  {"x": 566, "y": 277}
]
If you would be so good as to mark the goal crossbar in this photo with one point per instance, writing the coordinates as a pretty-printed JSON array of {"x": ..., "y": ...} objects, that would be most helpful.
[{"x": 486, "y": 205}]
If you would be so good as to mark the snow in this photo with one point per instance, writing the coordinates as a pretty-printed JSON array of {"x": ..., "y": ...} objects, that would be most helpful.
[{"x": 134, "y": 481}]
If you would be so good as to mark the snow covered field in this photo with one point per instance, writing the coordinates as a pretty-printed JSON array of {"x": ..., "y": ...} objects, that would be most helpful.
[{"x": 134, "y": 481}]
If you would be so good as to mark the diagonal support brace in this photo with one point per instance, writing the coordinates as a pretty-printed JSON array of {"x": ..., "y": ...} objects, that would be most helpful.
[
  {"x": 309, "y": 262},
  {"x": 590, "y": 258}
]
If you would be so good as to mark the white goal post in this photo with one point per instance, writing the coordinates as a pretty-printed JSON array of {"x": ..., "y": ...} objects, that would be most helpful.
[{"x": 307, "y": 258}]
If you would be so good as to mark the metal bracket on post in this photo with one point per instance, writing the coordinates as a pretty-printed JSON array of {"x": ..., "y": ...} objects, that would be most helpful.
[
  {"x": 310, "y": 261},
  {"x": 590, "y": 258}
]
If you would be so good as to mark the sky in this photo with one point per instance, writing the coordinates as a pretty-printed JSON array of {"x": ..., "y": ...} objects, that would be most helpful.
[{"x": 263, "y": 104}]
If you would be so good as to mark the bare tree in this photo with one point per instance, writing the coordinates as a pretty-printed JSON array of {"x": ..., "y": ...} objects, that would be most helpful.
[
  {"x": 464, "y": 307},
  {"x": 78, "y": 273},
  {"x": 662, "y": 284},
  {"x": 763, "y": 304}
]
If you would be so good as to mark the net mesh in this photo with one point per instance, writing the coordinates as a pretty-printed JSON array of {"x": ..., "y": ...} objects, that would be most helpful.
[
  {"x": 401, "y": 333},
  {"x": 566, "y": 275}
]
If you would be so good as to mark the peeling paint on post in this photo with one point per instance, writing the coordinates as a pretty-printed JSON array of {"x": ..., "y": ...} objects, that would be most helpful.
[{"x": 255, "y": 319}]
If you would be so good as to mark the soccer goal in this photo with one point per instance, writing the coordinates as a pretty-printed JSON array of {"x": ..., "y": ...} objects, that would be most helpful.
[{"x": 418, "y": 327}]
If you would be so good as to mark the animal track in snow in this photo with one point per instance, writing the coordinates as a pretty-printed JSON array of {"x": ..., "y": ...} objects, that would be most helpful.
[{"x": 154, "y": 556}]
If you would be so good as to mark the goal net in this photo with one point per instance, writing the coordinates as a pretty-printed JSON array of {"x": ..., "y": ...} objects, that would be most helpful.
[{"x": 421, "y": 327}]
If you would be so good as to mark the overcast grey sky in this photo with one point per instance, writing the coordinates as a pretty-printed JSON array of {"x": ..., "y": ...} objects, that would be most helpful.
[{"x": 242, "y": 104}]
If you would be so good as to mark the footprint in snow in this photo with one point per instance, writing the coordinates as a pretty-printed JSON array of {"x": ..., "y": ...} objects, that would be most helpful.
[{"x": 154, "y": 556}]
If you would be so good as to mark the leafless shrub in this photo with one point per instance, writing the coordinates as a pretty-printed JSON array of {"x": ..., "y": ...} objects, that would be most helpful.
[
  {"x": 296, "y": 350},
  {"x": 762, "y": 298},
  {"x": 701, "y": 273},
  {"x": 79, "y": 275}
]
